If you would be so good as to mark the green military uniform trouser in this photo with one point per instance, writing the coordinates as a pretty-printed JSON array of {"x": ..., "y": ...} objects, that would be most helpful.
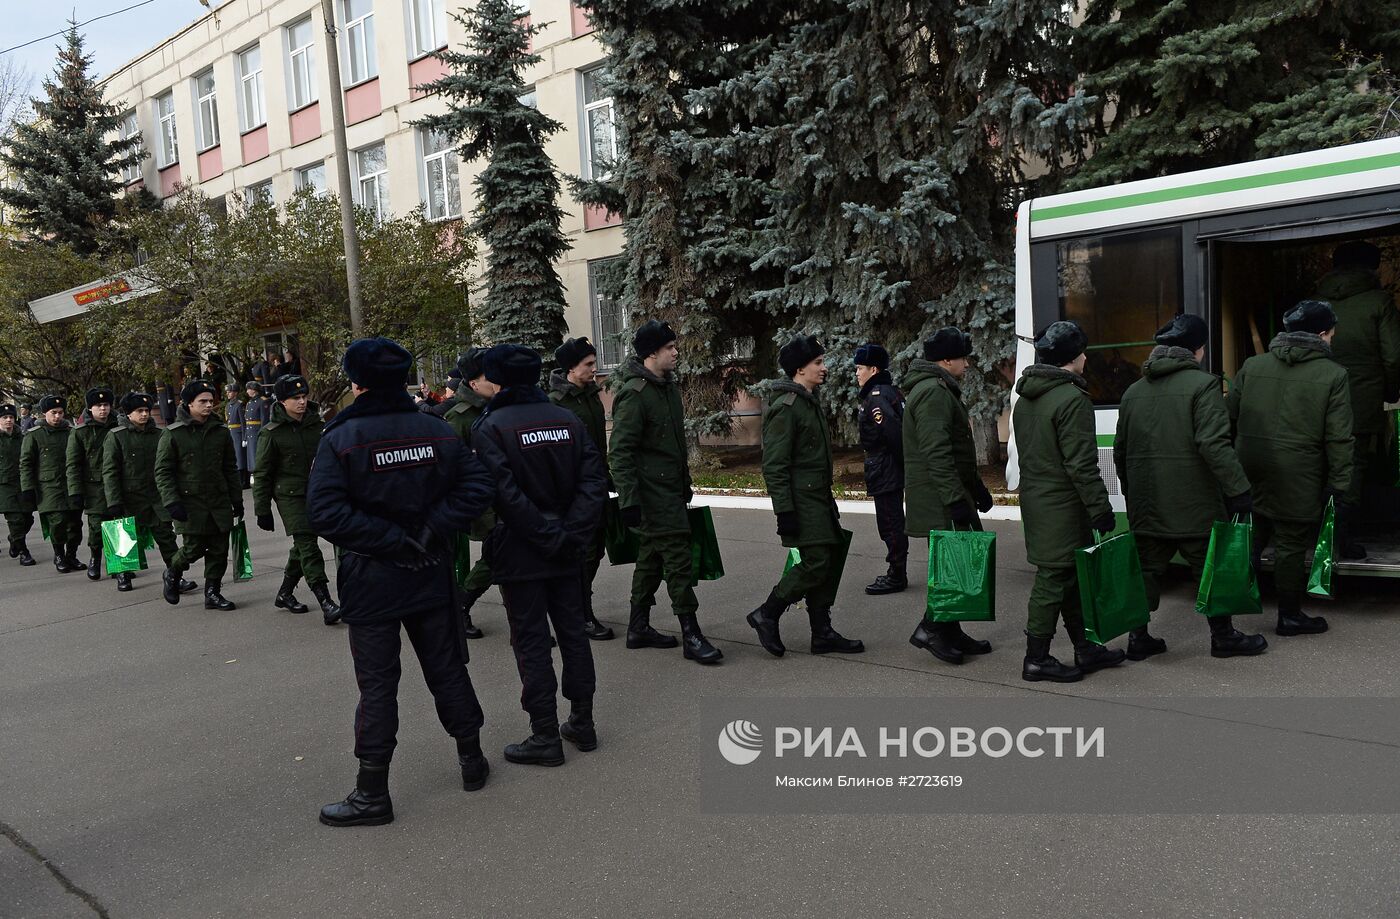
[
  {"x": 1055, "y": 595},
  {"x": 479, "y": 578},
  {"x": 590, "y": 570},
  {"x": 212, "y": 547},
  {"x": 1292, "y": 540},
  {"x": 1156, "y": 554},
  {"x": 65, "y": 529},
  {"x": 815, "y": 578},
  {"x": 665, "y": 558},
  {"x": 19, "y": 523},
  {"x": 94, "y": 530},
  {"x": 305, "y": 561}
]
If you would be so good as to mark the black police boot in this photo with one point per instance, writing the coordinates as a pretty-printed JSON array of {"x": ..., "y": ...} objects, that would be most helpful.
[
  {"x": 1292, "y": 620},
  {"x": 1228, "y": 641},
  {"x": 594, "y": 629},
  {"x": 368, "y": 804},
  {"x": 1141, "y": 645},
  {"x": 475, "y": 768},
  {"x": 579, "y": 729},
  {"x": 123, "y": 581},
  {"x": 825, "y": 639},
  {"x": 94, "y": 567},
  {"x": 215, "y": 600},
  {"x": 170, "y": 583},
  {"x": 285, "y": 600},
  {"x": 965, "y": 642},
  {"x": 937, "y": 639},
  {"x": 330, "y": 610},
  {"x": 1039, "y": 665},
  {"x": 696, "y": 646},
  {"x": 469, "y": 629},
  {"x": 25, "y": 558},
  {"x": 764, "y": 621},
  {"x": 640, "y": 634},
  {"x": 892, "y": 582},
  {"x": 541, "y": 748}
]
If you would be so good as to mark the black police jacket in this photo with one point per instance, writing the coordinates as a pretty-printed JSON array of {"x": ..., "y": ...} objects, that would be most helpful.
[
  {"x": 551, "y": 485},
  {"x": 882, "y": 434},
  {"x": 384, "y": 469}
]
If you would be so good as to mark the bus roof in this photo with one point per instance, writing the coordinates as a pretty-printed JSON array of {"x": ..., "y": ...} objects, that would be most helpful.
[{"x": 1350, "y": 169}]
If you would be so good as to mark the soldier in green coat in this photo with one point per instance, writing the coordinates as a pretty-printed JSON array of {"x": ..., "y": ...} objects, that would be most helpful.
[
  {"x": 129, "y": 478},
  {"x": 286, "y": 447},
  {"x": 1062, "y": 498},
  {"x": 651, "y": 471},
  {"x": 468, "y": 402},
  {"x": 942, "y": 489},
  {"x": 573, "y": 385},
  {"x": 797, "y": 470},
  {"x": 1291, "y": 409},
  {"x": 197, "y": 477},
  {"x": 43, "y": 478},
  {"x": 1179, "y": 472},
  {"x": 85, "y": 469},
  {"x": 19, "y": 514}
]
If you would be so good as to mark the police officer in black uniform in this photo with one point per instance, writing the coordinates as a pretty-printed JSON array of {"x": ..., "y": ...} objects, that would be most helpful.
[
  {"x": 551, "y": 485},
  {"x": 882, "y": 439},
  {"x": 389, "y": 488}
]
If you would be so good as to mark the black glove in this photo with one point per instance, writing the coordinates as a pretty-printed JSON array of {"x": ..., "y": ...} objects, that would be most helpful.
[
  {"x": 177, "y": 512},
  {"x": 1105, "y": 523},
  {"x": 28, "y": 497},
  {"x": 237, "y": 509},
  {"x": 961, "y": 512},
  {"x": 632, "y": 516},
  {"x": 115, "y": 512},
  {"x": 76, "y": 502},
  {"x": 1239, "y": 504},
  {"x": 787, "y": 523},
  {"x": 265, "y": 522},
  {"x": 984, "y": 497},
  {"x": 413, "y": 554}
]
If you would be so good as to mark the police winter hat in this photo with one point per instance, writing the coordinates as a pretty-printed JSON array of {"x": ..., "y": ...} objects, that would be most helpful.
[
  {"x": 947, "y": 344},
  {"x": 134, "y": 400},
  {"x": 8, "y": 409},
  {"x": 196, "y": 388},
  {"x": 1314, "y": 316},
  {"x": 652, "y": 337},
  {"x": 377, "y": 363},
  {"x": 469, "y": 364},
  {"x": 1184, "y": 331},
  {"x": 98, "y": 395},
  {"x": 49, "y": 403},
  {"x": 873, "y": 355},
  {"x": 512, "y": 365},
  {"x": 573, "y": 352},
  {"x": 291, "y": 385},
  {"x": 1356, "y": 254},
  {"x": 1060, "y": 342}
]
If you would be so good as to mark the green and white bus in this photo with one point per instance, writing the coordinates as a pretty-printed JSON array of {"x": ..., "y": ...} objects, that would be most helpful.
[{"x": 1235, "y": 245}]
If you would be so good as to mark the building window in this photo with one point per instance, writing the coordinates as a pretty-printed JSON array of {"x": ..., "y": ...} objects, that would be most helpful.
[
  {"x": 372, "y": 181},
  {"x": 206, "y": 107},
  {"x": 168, "y": 151},
  {"x": 251, "y": 112},
  {"x": 429, "y": 26},
  {"x": 301, "y": 63},
  {"x": 598, "y": 119},
  {"x": 131, "y": 127},
  {"x": 609, "y": 318},
  {"x": 442, "y": 194},
  {"x": 361, "y": 62},
  {"x": 258, "y": 194},
  {"x": 313, "y": 178},
  {"x": 529, "y": 98}
]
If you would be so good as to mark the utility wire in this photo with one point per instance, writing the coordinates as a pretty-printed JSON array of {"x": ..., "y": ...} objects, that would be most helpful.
[{"x": 79, "y": 25}]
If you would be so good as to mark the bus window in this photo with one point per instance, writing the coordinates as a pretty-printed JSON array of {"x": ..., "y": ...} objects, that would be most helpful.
[{"x": 1121, "y": 289}]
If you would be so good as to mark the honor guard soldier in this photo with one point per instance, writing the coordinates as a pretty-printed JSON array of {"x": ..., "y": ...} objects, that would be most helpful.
[
  {"x": 1062, "y": 499},
  {"x": 129, "y": 479},
  {"x": 390, "y": 487},
  {"x": 881, "y": 425},
  {"x": 1179, "y": 473},
  {"x": 551, "y": 487},
  {"x": 1291, "y": 408},
  {"x": 940, "y": 467},
  {"x": 798, "y": 472},
  {"x": 233, "y": 420},
  {"x": 43, "y": 474},
  {"x": 85, "y": 469},
  {"x": 286, "y": 447},
  {"x": 573, "y": 385},
  {"x": 256, "y": 413},
  {"x": 19, "y": 512},
  {"x": 197, "y": 478},
  {"x": 469, "y": 401}
]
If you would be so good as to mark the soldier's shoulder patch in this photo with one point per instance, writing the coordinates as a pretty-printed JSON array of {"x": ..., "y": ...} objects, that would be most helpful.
[
  {"x": 636, "y": 384},
  {"x": 174, "y": 424},
  {"x": 271, "y": 426},
  {"x": 787, "y": 398}
]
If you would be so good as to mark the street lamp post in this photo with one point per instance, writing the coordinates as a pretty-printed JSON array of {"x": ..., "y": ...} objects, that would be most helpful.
[{"x": 342, "y": 174}]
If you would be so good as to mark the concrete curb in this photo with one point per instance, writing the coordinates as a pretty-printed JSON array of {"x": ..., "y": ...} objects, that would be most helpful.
[{"x": 744, "y": 502}]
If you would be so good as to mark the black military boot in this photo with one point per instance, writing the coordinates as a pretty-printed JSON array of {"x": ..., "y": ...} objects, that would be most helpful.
[
  {"x": 966, "y": 643},
  {"x": 469, "y": 629},
  {"x": 542, "y": 748},
  {"x": 215, "y": 600},
  {"x": 330, "y": 610},
  {"x": 1039, "y": 665},
  {"x": 1228, "y": 641},
  {"x": 285, "y": 600},
  {"x": 1089, "y": 656},
  {"x": 892, "y": 582},
  {"x": 594, "y": 629},
  {"x": 696, "y": 646},
  {"x": 1292, "y": 620},
  {"x": 368, "y": 804},
  {"x": 825, "y": 639},
  {"x": 1141, "y": 645},
  {"x": 25, "y": 558},
  {"x": 171, "y": 582},
  {"x": 123, "y": 581},
  {"x": 764, "y": 621},
  {"x": 475, "y": 768},
  {"x": 937, "y": 639},
  {"x": 579, "y": 729},
  {"x": 70, "y": 558},
  {"x": 186, "y": 585},
  {"x": 14, "y": 549},
  {"x": 640, "y": 634},
  {"x": 94, "y": 567},
  {"x": 60, "y": 563}
]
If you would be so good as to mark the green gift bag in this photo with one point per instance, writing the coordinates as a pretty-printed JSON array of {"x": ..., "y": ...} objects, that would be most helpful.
[
  {"x": 1229, "y": 585},
  {"x": 121, "y": 546},
  {"x": 794, "y": 557},
  {"x": 1320, "y": 577},
  {"x": 962, "y": 584},
  {"x": 242, "y": 554},
  {"x": 1111, "y": 592},
  {"x": 622, "y": 544},
  {"x": 462, "y": 559},
  {"x": 704, "y": 545}
]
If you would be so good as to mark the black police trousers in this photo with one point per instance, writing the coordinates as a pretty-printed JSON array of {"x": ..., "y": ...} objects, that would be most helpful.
[
  {"x": 375, "y": 648},
  {"x": 531, "y": 606},
  {"x": 889, "y": 520}
]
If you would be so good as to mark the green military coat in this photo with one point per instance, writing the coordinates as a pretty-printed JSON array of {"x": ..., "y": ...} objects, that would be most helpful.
[
  {"x": 647, "y": 453},
  {"x": 1058, "y": 452},
  {"x": 1367, "y": 343},
  {"x": 43, "y": 466},
  {"x": 85, "y": 461},
  {"x": 587, "y": 404},
  {"x": 129, "y": 469},
  {"x": 10, "y": 501},
  {"x": 1172, "y": 451},
  {"x": 461, "y": 416},
  {"x": 940, "y": 461},
  {"x": 195, "y": 466},
  {"x": 1291, "y": 409},
  {"x": 285, "y": 451},
  {"x": 797, "y": 464}
]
